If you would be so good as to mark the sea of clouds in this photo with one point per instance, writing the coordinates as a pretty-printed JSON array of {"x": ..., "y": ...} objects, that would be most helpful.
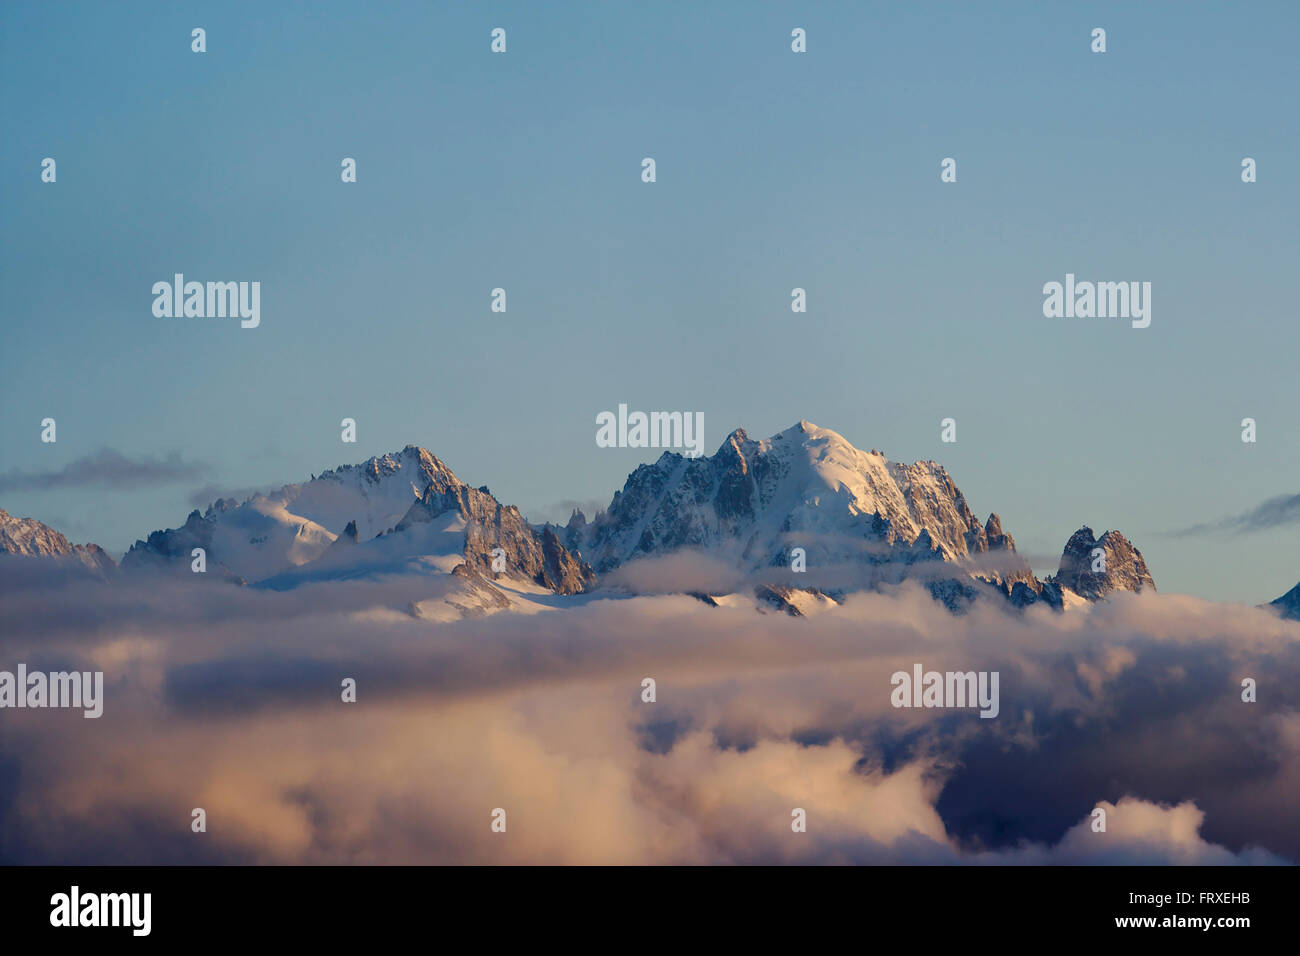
[{"x": 228, "y": 698}]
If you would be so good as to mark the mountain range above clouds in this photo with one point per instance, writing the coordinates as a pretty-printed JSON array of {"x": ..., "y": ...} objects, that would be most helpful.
[
  {"x": 859, "y": 519},
  {"x": 801, "y": 518}
]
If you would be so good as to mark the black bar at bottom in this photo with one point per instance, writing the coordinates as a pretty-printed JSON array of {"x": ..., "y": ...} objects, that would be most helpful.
[{"x": 659, "y": 906}]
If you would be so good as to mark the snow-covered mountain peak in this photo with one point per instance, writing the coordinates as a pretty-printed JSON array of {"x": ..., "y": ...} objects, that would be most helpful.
[
  {"x": 31, "y": 538},
  {"x": 294, "y": 524},
  {"x": 412, "y": 465},
  {"x": 391, "y": 514},
  {"x": 805, "y": 486}
]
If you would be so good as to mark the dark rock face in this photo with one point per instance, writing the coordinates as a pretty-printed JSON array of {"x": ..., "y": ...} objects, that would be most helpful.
[
  {"x": 681, "y": 502},
  {"x": 575, "y": 529},
  {"x": 1022, "y": 594},
  {"x": 490, "y": 525},
  {"x": 347, "y": 539},
  {"x": 562, "y": 572},
  {"x": 954, "y": 594},
  {"x": 172, "y": 550},
  {"x": 173, "y": 544},
  {"x": 1118, "y": 565},
  {"x": 780, "y": 597},
  {"x": 997, "y": 561},
  {"x": 1288, "y": 605}
]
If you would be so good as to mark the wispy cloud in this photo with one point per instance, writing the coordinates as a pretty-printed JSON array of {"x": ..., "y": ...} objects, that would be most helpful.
[
  {"x": 1278, "y": 512},
  {"x": 106, "y": 468}
]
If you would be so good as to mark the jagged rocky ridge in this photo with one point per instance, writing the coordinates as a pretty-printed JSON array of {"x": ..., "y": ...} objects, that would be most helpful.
[
  {"x": 807, "y": 487},
  {"x": 318, "y": 529},
  {"x": 1118, "y": 565},
  {"x": 750, "y": 504},
  {"x": 30, "y": 538},
  {"x": 490, "y": 526}
]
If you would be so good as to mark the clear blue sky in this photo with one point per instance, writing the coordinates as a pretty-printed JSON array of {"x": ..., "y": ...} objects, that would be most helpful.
[{"x": 775, "y": 170}]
